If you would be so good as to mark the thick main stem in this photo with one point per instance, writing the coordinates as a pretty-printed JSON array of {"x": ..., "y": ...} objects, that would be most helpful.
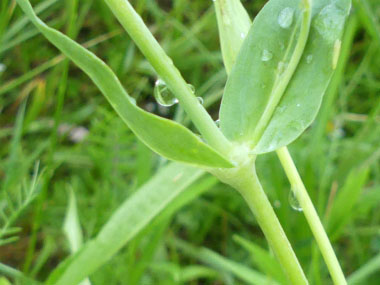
[
  {"x": 163, "y": 65},
  {"x": 312, "y": 217},
  {"x": 246, "y": 182}
]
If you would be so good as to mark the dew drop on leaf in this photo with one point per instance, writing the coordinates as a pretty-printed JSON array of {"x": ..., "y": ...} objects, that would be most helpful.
[
  {"x": 285, "y": 18},
  {"x": 266, "y": 55},
  {"x": 163, "y": 95},
  {"x": 309, "y": 58},
  {"x": 217, "y": 123},
  {"x": 200, "y": 100},
  {"x": 293, "y": 201}
]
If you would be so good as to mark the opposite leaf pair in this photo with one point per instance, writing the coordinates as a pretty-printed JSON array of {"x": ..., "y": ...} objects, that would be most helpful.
[{"x": 273, "y": 92}]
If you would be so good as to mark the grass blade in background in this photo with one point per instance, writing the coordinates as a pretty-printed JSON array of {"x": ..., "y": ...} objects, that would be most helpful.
[
  {"x": 166, "y": 137},
  {"x": 131, "y": 217},
  {"x": 72, "y": 227},
  {"x": 262, "y": 259},
  {"x": 220, "y": 263}
]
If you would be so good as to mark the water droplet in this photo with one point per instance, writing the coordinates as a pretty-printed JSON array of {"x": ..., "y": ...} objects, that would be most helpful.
[
  {"x": 330, "y": 21},
  {"x": 298, "y": 105},
  {"x": 163, "y": 95},
  {"x": 293, "y": 201},
  {"x": 336, "y": 53},
  {"x": 242, "y": 35},
  {"x": 133, "y": 100},
  {"x": 200, "y": 100},
  {"x": 217, "y": 123},
  {"x": 285, "y": 18},
  {"x": 266, "y": 55},
  {"x": 309, "y": 58}
]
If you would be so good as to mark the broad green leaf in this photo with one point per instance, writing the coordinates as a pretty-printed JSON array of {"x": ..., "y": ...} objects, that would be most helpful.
[
  {"x": 275, "y": 88},
  {"x": 166, "y": 137},
  {"x": 131, "y": 217},
  {"x": 233, "y": 25}
]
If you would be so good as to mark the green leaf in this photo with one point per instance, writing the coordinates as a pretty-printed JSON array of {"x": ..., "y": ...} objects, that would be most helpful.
[
  {"x": 166, "y": 137},
  {"x": 129, "y": 220},
  {"x": 277, "y": 83},
  {"x": 233, "y": 25}
]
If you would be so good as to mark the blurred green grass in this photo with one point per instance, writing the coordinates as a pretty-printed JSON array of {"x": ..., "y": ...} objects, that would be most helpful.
[{"x": 81, "y": 144}]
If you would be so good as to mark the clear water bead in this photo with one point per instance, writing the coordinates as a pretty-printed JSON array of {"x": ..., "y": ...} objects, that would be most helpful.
[
  {"x": 266, "y": 55},
  {"x": 309, "y": 58},
  {"x": 285, "y": 18},
  {"x": 200, "y": 100},
  {"x": 163, "y": 95},
  {"x": 293, "y": 201}
]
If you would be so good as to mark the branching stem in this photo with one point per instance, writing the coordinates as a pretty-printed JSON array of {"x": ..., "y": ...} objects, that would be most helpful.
[
  {"x": 164, "y": 67},
  {"x": 311, "y": 216}
]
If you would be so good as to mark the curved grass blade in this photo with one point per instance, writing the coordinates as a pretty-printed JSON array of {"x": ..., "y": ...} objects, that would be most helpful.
[
  {"x": 131, "y": 217},
  {"x": 166, "y": 137},
  {"x": 277, "y": 83}
]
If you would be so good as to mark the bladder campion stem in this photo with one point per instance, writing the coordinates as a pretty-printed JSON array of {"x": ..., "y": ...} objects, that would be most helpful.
[
  {"x": 250, "y": 188},
  {"x": 311, "y": 217},
  {"x": 163, "y": 65}
]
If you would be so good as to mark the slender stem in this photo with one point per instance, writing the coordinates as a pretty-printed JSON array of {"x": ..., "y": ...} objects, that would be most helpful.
[
  {"x": 311, "y": 216},
  {"x": 245, "y": 181},
  {"x": 163, "y": 65}
]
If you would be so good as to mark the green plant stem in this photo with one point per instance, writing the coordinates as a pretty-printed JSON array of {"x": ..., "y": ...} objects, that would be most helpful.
[
  {"x": 163, "y": 65},
  {"x": 311, "y": 216},
  {"x": 246, "y": 182}
]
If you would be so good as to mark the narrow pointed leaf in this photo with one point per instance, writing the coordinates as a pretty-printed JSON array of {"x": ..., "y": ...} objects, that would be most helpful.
[
  {"x": 128, "y": 221},
  {"x": 253, "y": 109},
  {"x": 233, "y": 25},
  {"x": 166, "y": 137}
]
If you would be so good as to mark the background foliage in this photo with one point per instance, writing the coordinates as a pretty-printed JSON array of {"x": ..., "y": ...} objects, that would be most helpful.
[{"x": 51, "y": 113}]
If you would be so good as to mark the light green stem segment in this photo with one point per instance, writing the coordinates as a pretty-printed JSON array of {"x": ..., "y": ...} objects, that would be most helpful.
[
  {"x": 246, "y": 182},
  {"x": 163, "y": 65},
  {"x": 311, "y": 217}
]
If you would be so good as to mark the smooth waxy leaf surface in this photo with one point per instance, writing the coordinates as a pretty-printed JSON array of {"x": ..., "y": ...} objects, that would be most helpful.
[
  {"x": 263, "y": 60},
  {"x": 166, "y": 137},
  {"x": 128, "y": 220}
]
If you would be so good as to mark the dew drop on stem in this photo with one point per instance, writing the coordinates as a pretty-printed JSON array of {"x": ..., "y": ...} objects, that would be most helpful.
[
  {"x": 285, "y": 18},
  {"x": 200, "y": 100},
  {"x": 293, "y": 201},
  {"x": 163, "y": 95}
]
